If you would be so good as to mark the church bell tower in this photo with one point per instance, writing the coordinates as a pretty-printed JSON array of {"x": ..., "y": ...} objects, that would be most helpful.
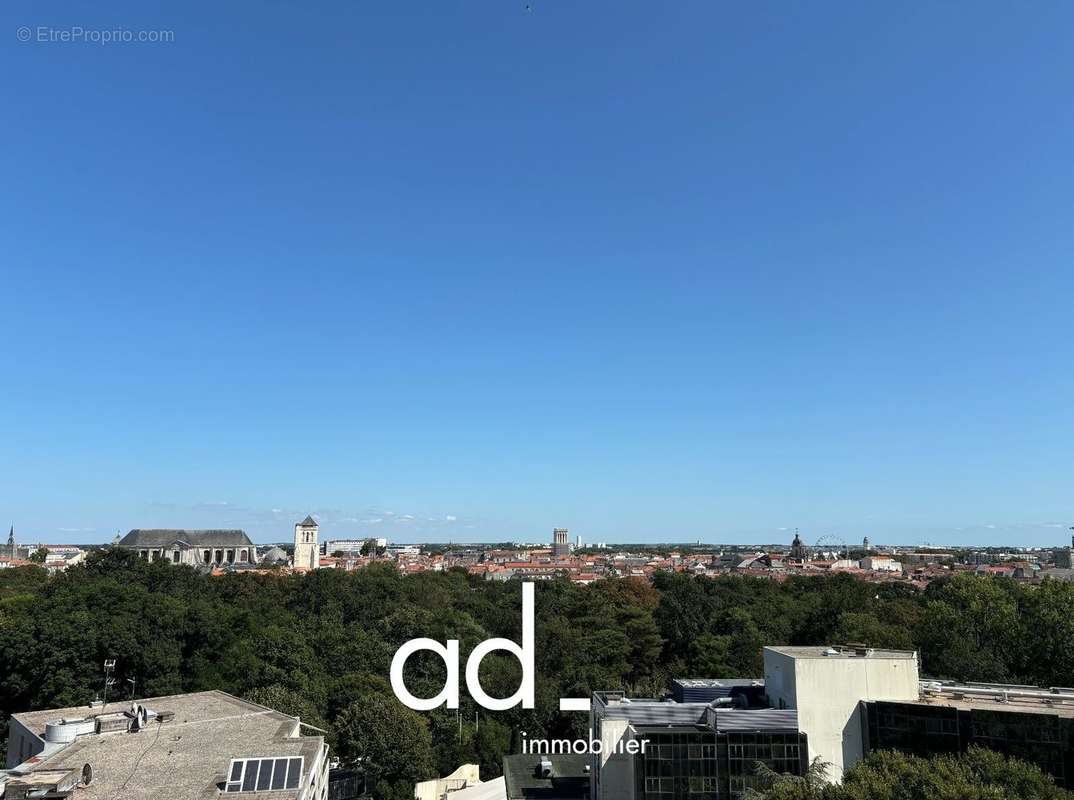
[{"x": 307, "y": 555}]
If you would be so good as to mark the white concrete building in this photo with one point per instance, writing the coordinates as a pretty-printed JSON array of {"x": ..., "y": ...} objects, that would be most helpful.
[
  {"x": 307, "y": 555},
  {"x": 826, "y": 685},
  {"x": 881, "y": 564}
]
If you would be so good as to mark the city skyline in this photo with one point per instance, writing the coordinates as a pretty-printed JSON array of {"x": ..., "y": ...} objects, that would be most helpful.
[
  {"x": 707, "y": 272},
  {"x": 275, "y": 525}
]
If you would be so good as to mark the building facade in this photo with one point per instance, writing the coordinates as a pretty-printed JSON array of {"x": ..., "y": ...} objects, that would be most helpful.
[
  {"x": 660, "y": 750},
  {"x": 827, "y": 686},
  {"x": 207, "y": 548},
  {"x": 1035, "y": 725},
  {"x": 307, "y": 554}
]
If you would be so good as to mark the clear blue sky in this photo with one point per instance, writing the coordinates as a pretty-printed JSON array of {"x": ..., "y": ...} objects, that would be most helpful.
[{"x": 645, "y": 270}]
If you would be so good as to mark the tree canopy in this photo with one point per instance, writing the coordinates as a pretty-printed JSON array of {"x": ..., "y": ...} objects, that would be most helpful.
[{"x": 319, "y": 645}]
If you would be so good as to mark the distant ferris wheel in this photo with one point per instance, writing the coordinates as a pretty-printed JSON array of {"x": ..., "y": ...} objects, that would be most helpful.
[{"x": 830, "y": 543}]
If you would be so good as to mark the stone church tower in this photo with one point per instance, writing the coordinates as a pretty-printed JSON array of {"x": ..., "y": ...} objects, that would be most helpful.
[{"x": 307, "y": 553}]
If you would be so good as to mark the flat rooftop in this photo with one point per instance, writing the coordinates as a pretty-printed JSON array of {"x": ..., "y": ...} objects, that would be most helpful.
[
  {"x": 710, "y": 683},
  {"x": 569, "y": 779},
  {"x": 1060, "y": 706},
  {"x": 820, "y": 651},
  {"x": 185, "y": 758}
]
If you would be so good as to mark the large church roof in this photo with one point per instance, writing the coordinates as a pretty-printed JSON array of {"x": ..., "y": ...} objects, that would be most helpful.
[
  {"x": 162, "y": 537},
  {"x": 308, "y": 522}
]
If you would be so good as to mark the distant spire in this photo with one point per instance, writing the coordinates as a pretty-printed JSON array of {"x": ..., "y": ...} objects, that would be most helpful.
[{"x": 11, "y": 536}]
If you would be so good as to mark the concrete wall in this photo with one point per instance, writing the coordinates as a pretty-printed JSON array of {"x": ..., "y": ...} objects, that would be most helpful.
[
  {"x": 21, "y": 743},
  {"x": 614, "y": 769},
  {"x": 466, "y": 775},
  {"x": 827, "y": 692}
]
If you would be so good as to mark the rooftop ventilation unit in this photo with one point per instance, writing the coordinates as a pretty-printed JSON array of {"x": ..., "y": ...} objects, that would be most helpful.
[{"x": 64, "y": 731}]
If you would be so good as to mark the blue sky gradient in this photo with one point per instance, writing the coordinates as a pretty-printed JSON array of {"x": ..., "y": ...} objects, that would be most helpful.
[{"x": 463, "y": 270}]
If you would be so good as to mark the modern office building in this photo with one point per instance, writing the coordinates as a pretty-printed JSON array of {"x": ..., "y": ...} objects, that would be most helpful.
[
  {"x": 835, "y": 703},
  {"x": 664, "y": 750},
  {"x": 1033, "y": 724},
  {"x": 826, "y": 686},
  {"x": 181, "y": 747}
]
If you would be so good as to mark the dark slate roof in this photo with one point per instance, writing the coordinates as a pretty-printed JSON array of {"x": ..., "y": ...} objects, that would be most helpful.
[
  {"x": 308, "y": 522},
  {"x": 569, "y": 779},
  {"x": 162, "y": 537}
]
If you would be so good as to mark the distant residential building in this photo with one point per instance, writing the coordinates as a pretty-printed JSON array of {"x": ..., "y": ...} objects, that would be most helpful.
[
  {"x": 351, "y": 547},
  {"x": 306, "y": 555},
  {"x": 213, "y": 547},
  {"x": 881, "y": 564},
  {"x": 925, "y": 557},
  {"x": 182, "y": 747},
  {"x": 59, "y": 557}
]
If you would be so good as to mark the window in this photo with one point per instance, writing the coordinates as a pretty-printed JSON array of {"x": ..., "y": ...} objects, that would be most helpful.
[{"x": 263, "y": 774}]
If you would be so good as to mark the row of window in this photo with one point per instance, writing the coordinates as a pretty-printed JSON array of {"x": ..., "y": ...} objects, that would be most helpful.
[{"x": 694, "y": 785}]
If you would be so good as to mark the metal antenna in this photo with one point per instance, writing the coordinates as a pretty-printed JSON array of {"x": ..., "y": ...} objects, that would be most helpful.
[{"x": 109, "y": 668}]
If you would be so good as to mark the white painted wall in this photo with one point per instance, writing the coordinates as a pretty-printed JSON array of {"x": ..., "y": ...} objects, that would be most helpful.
[
  {"x": 616, "y": 769},
  {"x": 827, "y": 692}
]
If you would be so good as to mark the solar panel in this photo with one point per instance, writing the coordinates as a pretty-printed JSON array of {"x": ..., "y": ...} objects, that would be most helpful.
[{"x": 263, "y": 774}]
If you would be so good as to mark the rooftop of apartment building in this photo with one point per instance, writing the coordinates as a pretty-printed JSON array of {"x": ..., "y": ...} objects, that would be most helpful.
[{"x": 182, "y": 749}]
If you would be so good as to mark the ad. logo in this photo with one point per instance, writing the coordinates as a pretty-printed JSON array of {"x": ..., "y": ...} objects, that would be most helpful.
[{"x": 449, "y": 652}]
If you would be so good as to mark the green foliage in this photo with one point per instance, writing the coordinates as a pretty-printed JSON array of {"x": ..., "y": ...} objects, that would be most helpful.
[
  {"x": 319, "y": 646},
  {"x": 978, "y": 775},
  {"x": 391, "y": 741}
]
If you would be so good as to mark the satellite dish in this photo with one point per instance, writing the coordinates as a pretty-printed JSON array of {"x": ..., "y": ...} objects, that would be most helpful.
[{"x": 87, "y": 775}]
